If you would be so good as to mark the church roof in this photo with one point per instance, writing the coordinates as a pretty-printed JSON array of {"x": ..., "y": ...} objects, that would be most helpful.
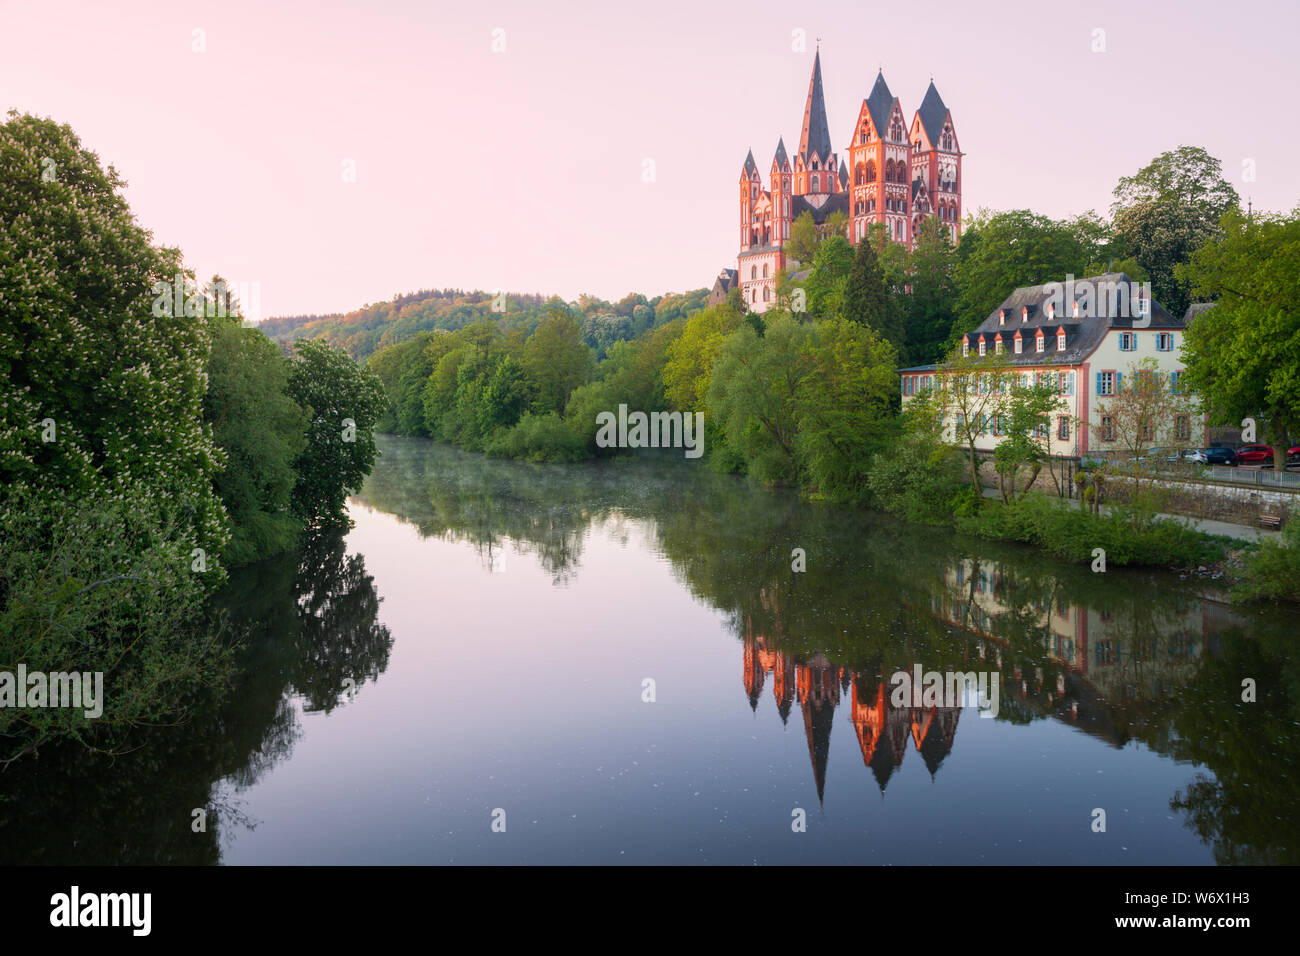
[
  {"x": 750, "y": 165},
  {"x": 880, "y": 104},
  {"x": 835, "y": 202},
  {"x": 933, "y": 113},
  {"x": 780, "y": 159},
  {"x": 816, "y": 136},
  {"x": 844, "y": 174}
]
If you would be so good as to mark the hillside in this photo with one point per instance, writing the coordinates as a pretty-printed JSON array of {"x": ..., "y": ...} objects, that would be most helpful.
[{"x": 364, "y": 331}]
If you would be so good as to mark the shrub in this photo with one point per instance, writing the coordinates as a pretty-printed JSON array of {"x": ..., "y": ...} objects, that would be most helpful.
[
  {"x": 105, "y": 585},
  {"x": 1072, "y": 534},
  {"x": 1273, "y": 571},
  {"x": 918, "y": 480},
  {"x": 538, "y": 438}
]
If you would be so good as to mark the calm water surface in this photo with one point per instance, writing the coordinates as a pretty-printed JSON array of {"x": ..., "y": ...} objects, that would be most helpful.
[{"x": 483, "y": 638}]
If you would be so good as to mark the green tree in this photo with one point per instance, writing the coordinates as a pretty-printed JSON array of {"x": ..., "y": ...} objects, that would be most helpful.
[
  {"x": 1166, "y": 211},
  {"x": 867, "y": 298},
  {"x": 754, "y": 391},
  {"x": 556, "y": 360},
  {"x": 1243, "y": 356},
  {"x": 101, "y": 365},
  {"x": 261, "y": 430},
  {"x": 829, "y": 277},
  {"x": 691, "y": 355},
  {"x": 344, "y": 402},
  {"x": 1005, "y": 251},
  {"x": 844, "y": 406},
  {"x": 929, "y": 307},
  {"x": 803, "y": 241}
]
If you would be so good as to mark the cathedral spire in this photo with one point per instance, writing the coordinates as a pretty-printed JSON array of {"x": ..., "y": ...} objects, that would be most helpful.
[{"x": 816, "y": 137}]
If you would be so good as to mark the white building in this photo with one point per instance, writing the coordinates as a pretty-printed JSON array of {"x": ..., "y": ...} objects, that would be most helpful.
[{"x": 1082, "y": 336}]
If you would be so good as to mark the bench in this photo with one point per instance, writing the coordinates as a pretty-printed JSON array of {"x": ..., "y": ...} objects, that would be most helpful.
[{"x": 1270, "y": 521}]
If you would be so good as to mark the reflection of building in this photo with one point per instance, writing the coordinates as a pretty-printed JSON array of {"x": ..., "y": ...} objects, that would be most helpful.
[
  {"x": 1112, "y": 668},
  {"x": 882, "y": 729}
]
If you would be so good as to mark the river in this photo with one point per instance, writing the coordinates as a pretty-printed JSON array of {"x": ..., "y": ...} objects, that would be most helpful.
[{"x": 615, "y": 662}]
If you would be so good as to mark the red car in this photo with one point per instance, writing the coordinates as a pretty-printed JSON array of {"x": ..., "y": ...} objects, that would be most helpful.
[{"x": 1254, "y": 454}]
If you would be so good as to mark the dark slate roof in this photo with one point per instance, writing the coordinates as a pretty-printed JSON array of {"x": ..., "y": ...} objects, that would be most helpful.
[
  {"x": 751, "y": 167},
  {"x": 880, "y": 104},
  {"x": 816, "y": 137},
  {"x": 933, "y": 113},
  {"x": 919, "y": 368},
  {"x": 780, "y": 160},
  {"x": 1082, "y": 334},
  {"x": 1195, "y": 309},
  {"x": 844, "y": 174},
  {"x": 835, "y": 202}
]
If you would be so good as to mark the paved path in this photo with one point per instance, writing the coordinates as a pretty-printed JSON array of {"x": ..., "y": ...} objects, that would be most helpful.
[{"x": 1226, "y": 528}]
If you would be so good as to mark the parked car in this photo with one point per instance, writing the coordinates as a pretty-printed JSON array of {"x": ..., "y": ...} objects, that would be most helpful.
[
  {"x": 1293, "y": 453},
  {"x": 1254, "y": 454},
  {"x": 1214, "y": 455}
]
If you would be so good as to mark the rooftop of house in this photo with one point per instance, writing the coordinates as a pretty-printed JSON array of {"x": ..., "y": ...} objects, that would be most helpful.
[{"x": 1107, "y": 301}]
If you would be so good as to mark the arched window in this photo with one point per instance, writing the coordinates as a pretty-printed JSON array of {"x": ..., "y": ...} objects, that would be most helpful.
[
  {"x": 753, "y": 272},
  {"x": 859, "y": 175},
  {"x": 889, "y": 170},
  {"x": 764, "y": 270},
  {"x": 816, "y": 184},
  {"x": 767, "y": 293},
  {"x": 871, "y": 171}
]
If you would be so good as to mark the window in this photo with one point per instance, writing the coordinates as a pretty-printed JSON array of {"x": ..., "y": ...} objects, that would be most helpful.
[
  {"x": 997, "y": 345},
  {"x": 965, "y": 348},
  {"x": 1107, "y": 428},
  {"x": 767, "y": 290},
  {"x": 764, "y": 270},
  {"x": 1107, "y": 383},
  {"x": 1147, "y": 430},
  {"x": 1175, "y": 382},
  {"x": 1182, "y": 427},
  {"x": 1040, "y": 431},
  {"x": 1039, "y": 341},
  {"x": 983, "y": 347},
  {"x": 961, "y": 422},
  {"x": 1060, "y": 341},
  {"x": 1063, "y": 429},
  {"x": 1165, "y": 342},
  {"x": 753, "y": 272},
  {"x": 1127, "y": 341},
  {"x": 1019, "y": 345}
]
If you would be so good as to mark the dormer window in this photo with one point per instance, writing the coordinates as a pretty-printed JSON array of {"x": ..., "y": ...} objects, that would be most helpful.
[
  {"x": 965, "y": 347},
  {"x": 1060, "y": 341},
  {"x": 1039, "y": 341},
  {"x": 983, "y": 346},
  {"x": 1002, "y": 316},
  {"x": 1051, "y": 310},
  {"x": 1024, "y": 313},
  {"x": 1076, "y": 308},
  {"x": 1018, "y": 343},
  {"x": 997, "y": 344}
]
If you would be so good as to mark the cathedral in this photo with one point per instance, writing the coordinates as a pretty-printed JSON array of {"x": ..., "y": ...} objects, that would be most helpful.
[{"x": 895, "y": 175}]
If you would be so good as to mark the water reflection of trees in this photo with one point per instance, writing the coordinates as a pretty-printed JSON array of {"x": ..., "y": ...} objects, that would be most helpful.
[
  {"x": 309, "y": 622},
  {"x": 1124, "y": 657}
]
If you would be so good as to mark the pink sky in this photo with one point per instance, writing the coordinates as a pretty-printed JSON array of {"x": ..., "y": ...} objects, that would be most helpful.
[{"x": 523, "y": 169}]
